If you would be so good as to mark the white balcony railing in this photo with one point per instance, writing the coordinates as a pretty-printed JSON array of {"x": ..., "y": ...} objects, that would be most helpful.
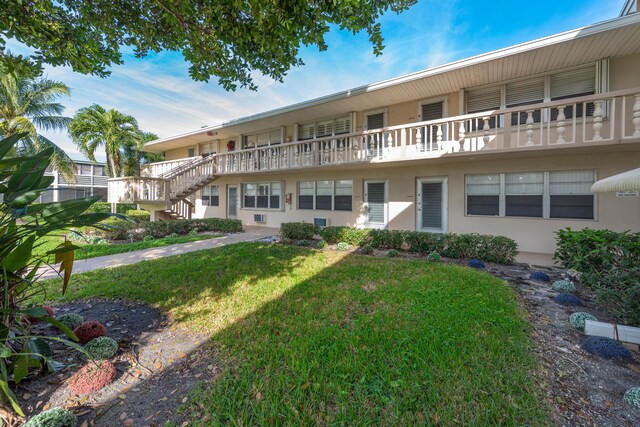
[
  {"x": 612, "y": 117},
  {"x": 139, "y": 190},
  {"x": 160, "y": 168}
]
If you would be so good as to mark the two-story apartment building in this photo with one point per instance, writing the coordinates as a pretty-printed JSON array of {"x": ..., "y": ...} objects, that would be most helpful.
[
  {"x": 506, "y": 143},
  {"x": 90, "y": 179}
]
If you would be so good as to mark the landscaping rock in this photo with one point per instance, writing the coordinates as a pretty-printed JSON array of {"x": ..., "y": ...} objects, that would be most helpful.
[
  {"x": 540, "y": 276},
  {"x": 568, "y": 299},
  {"x": 476, "y": 263},
  {"x": 607, "y": 348}
]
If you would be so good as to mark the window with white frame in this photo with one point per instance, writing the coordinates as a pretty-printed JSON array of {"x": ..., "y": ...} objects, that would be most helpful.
[
  {"x": 262, "y": 139},
  {"x": 210, "y": 195},
  {"x": 262, "y": 195},
  {"x": 325, "y": 195},
  {"x": 327, "y": 127},
  {"x": 564, "y": 84},
  {"x": 558, "y": 194}
]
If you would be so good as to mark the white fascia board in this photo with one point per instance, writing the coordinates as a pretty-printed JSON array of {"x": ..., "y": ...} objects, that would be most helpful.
[{"x": 586, "y": 31}]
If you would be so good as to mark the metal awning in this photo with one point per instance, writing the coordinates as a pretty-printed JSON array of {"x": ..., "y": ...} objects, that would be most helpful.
[{"x": 625, "y": 181}]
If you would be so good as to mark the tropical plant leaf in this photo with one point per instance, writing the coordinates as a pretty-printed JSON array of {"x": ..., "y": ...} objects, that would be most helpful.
[
  {"x": 66, "y": 265},
  {"x": 5, "y": 351},
  {"x": 18, "y": 258},
  {"x": 4, "y": 386},
  {"x": 61, "y": 212},
  {"x": 64, "y": 328},
  {"x": 39, "y": 347}
]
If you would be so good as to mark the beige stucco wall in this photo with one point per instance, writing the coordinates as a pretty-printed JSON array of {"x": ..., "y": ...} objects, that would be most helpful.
[{"x": 533, "y": 234}]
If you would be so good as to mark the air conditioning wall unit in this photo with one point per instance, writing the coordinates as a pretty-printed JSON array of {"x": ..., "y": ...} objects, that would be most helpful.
[
  {"x": 321, "y": 222},
  {"x": 259, "y": 218}
]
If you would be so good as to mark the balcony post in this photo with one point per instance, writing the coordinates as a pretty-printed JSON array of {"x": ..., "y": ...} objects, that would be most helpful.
[
  {"x": 636, "y": 116},
  {"x": 439, "y": 137},
  {"x": 461, "y": 135},
  {"x": 485, "y": 129},
  {"x": 529, "y": 124},
  {"x": 560, "y": 124},
  {"x": 597, "y": 121}
]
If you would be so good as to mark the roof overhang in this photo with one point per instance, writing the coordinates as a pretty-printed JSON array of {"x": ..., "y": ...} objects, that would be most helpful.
[{"x": 609, "y": 39}]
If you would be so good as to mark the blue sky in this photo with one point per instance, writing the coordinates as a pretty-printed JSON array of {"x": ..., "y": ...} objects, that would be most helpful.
[{"x": 158, "y": 91}]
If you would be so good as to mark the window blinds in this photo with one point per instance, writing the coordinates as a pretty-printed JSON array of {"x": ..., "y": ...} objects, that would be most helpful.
[
  {"x": 484, "y": 99},
  {"x": 525, "y": 92},
  {"x": 375, "y": 121},
  {"x": 581, "y": 81},
  {"x": 432, "y": 111}
]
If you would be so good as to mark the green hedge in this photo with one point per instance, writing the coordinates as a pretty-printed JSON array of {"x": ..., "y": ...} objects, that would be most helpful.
[
  {"x": 297, "y": 230},
  {"x": 139, "y": 214},
  {"x": 610, "y": 265},
  {"x": 485, "y": 247},
  {"x": 137, "y": 231},
  {"x": 105, "y": 207}
]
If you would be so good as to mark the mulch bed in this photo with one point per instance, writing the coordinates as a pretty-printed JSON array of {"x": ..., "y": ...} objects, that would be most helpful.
[{"x": 158, "y": 365}]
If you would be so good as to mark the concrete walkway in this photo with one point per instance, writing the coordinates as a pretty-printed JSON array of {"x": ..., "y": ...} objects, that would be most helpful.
[{"x": 250, "y": 234}]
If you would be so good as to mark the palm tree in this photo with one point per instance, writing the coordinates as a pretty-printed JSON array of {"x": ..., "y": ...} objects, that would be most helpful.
[
  {"x": 27, "y": 105},
  {"x": 135, "y": 158},
  {"x": 95, "y": 127}
]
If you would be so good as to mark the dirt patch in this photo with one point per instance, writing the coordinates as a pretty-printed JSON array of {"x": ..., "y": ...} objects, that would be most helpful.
[
  {"x": 583, "y": 389},
  {"x": 158, "y": 365}
]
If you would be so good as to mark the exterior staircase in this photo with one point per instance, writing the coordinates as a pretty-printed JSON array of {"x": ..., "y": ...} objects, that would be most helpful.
[{"x": 184, "y": 181}]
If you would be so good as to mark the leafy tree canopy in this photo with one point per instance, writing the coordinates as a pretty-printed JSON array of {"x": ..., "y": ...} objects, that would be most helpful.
[{"x": 228, "y": 39}]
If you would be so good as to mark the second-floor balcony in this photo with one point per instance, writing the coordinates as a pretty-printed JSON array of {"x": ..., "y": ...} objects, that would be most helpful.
[{"x": 607, "y": 118}]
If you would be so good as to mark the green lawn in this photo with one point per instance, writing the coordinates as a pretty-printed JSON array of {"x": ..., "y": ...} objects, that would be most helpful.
[
  {"x": 328, "y": 338},
  {"x": 89, "y": 250}
]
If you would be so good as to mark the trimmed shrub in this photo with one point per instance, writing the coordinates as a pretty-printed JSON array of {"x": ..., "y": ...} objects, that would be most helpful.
[
  {"x": 136, "y": 231},
  {"x": 71, "y": 320},
  {"x": 568, "y": 299},
  {"x": 619, "y": 292},
  {"x": 352, "y": 236},
  {"x": 563, "y": 286},
  {"x": 607, "y": 348},
  {"x": 89, "y": 330},
  {"x": 286, "y": 241},
  {"x": 102, "y": 348},
  {"x": 393, "y": 253},
  {"x": 540, "y": 276},
  {"x": 303, "y": 242},
  {"x": 105, "y": 207},
  {"x": 297, "y": 230},
  {"x": 434, "y": 257},
  {"x": 139, "y": 214},
  {"x": 322, "y": 244},
  {"x": 488, "y": 248},
  {"x": 577, "y": 319},
  {"x": 609, "y": 263},
  {"x": 92, "y": 377},
  {"x": 367, "y": 249},
  {"x": 592, "y": 251},
  {"x": 632, "y": 397},
  {"x": 475, "y": 263},
  {"x": 56, "y": 417},
  {"x": 148, "y": 238},
  {"x": 342, "y": 246}
]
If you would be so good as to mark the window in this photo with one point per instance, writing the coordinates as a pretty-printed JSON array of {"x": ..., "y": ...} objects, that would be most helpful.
[
  {"x": 325, "y": 195},
  {"x": 483, "y": 195},
  {"x": 98, "y": 171},
  {"x": 570, "y": 194},
  {"x": 262, "y": 139},
  {"x": 210, "y": 196},
  {"x": 327, "y": 127},
  {"x": 263, "y": 195},
  {"x": 191, "y": 152},
  {"x": 375, "y": 121},
  {"x": 532, "y": 194},
  {"x": 523, "y": 194},
  {"x": 559, "y": 85},
  {"x": 84, "y": 169}
]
